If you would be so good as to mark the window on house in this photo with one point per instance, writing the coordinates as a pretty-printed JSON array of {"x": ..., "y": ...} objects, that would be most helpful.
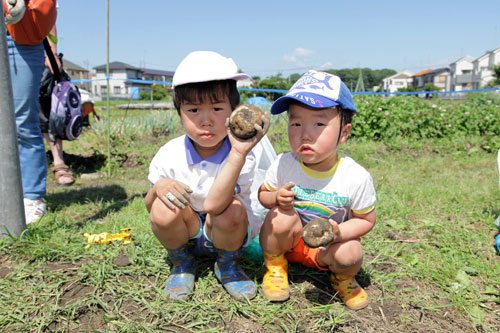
[
  {"x": 117, "y": 90},
  {"x": 103, "y": 89}
]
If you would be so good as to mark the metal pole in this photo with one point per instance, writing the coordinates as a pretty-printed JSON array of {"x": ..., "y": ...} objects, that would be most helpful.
[
  {"x": 12, "y": 219},
  {"x": 107, "y": 94}
]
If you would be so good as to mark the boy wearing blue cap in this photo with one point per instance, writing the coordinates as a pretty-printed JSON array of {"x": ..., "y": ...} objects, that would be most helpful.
[
  {"x": 314, "y": 180},
  {"x": 199, "y": 203}
]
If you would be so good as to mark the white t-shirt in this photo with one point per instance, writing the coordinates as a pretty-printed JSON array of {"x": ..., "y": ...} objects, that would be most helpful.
[
  {"x": 178, "y": 160},
  {"x": 333, "y": 194}
]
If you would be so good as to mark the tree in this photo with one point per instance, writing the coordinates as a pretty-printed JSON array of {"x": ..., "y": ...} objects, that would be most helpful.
[
  {"x": 496, "y": 74},
  {"x": 371, "y": 77},
  {"x": 273, "y": 82},
  {"x": 159, "y": 92}
]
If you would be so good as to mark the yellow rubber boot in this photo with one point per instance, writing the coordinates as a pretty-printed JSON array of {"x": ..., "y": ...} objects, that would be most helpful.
[
  {"x": 349, "y": 291},
  {"x": 275, "y": 282}
]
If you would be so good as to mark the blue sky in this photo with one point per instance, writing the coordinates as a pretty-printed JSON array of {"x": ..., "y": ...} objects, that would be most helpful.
[{"x": 269, "y": 37}]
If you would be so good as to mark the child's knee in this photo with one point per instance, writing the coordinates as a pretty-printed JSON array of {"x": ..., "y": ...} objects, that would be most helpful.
[
  {"x": 162, "y": 216},
  {"x": 345, "y": 255},
  {"x": 280, "y": 222},
  {"x": 232, "y": 218}
]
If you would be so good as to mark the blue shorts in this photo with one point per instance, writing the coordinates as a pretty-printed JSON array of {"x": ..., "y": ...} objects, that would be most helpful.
[{"x": 203, "y": 246}]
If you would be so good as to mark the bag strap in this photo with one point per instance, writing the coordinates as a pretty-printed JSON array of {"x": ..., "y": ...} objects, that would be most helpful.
[{"x": 52, "y": 59}]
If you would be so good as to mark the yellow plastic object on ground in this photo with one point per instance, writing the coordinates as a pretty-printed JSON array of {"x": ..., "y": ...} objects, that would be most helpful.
[{"x": 105, "y": 238}]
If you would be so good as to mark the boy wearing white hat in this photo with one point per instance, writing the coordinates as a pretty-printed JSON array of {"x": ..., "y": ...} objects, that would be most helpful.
[
  {"x": 314, "y": 180},
  {"x": 199, "y": 203}
]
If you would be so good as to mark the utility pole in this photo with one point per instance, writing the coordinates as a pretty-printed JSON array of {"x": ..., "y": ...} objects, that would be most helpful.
[{"x": 11, "y": 191}]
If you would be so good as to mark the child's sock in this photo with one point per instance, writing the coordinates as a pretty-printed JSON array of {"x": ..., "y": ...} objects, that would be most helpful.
[
  {"x": 232, "y": 277},
  {"x": 275, "y": 282},
  {"x": 349, "y": 291},
  {"x": 180, "y": 282}
]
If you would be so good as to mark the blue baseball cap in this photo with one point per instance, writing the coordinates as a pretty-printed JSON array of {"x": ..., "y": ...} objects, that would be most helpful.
[{"x": 318, "y": 90}]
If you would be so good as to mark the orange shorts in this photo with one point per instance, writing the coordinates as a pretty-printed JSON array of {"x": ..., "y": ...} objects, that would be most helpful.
[{"x": 304, "y": 255}]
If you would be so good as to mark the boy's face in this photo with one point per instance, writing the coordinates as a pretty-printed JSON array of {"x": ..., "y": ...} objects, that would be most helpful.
[
  {"x": 204, "y": 123},
  {"x": 313, "y": 135}
]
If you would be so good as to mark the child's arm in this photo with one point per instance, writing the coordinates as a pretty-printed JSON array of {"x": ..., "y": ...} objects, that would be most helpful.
[
  {"x": 165, "y": 186},
  {"x": 357, "y": 226},
  {"x": 284, "y": 197},
  {"x": 222, "y": 191}
]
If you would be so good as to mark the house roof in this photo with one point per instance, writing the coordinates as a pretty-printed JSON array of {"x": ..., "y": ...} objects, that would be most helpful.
[
  {"x": 402, "y": 76},
  {"x": 467, "y": 58},
  {"x": 68, "y": 65},
  {"x": 422, "y": 72},
  {"x": 486, "y": 55},
  {"x": 117, "y": 65},
  {"x": 439, "y": 70},
  {"x": 149, "y": 71}
]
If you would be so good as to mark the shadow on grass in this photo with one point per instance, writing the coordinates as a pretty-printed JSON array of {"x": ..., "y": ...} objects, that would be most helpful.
[
  {"x": 107, "y": 193},
  {"x": 114, "y": 194},
  {"x": 322, "y": 292},
  {"x": 82, "y": 164}
]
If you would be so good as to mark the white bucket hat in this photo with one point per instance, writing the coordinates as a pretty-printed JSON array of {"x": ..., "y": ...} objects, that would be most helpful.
[{"x": 203, "y": 66}]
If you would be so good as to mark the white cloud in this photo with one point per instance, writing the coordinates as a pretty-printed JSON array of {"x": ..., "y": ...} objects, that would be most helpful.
[
  {"x": 301, "y": 52},
  {"x": 298, "y": 56},
  {"x": 326, "y": 65}
]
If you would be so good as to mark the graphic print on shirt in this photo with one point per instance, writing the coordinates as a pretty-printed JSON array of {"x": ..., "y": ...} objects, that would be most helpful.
[{"x": 311, "y": 203}]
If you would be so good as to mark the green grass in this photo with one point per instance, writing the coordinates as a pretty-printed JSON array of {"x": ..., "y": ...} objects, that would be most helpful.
[{"x": 431, "y": 251}]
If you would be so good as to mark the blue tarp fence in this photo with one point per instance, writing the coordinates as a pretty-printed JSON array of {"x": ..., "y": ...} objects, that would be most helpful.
[{"x": 285, "y": 91}]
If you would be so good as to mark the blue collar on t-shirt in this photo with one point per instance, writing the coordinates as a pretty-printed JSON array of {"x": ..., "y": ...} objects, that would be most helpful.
[{"x": 193, "y": 157}]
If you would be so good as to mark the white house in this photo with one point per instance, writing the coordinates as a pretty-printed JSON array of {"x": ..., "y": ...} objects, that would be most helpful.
[
  {"x": 482, "y": 72},
  {"x": 118, "y": 72},
  {"x": 245, "y": 83},
  {"x": 461, "y": 73},
  {"x": 397, "y": 81}
]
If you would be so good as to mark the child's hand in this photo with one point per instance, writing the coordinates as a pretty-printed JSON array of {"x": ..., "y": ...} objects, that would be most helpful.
[
  {"x": 172, "y": 193},
  {"x": 245, "y": 146},
  {"x": 285, "y": 197},
  {"x": 336, "y": 231}
]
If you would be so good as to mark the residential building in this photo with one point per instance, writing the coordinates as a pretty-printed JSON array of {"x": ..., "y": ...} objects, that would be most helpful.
[
  {"x": 119, "y": 73},
  {"x": 482, "y": 71},
  {"x": 158, "y": 75},
  {"x": 245, "y": 83},
  {"x": 397, "y": 81},
  {"x": 461, "y": 73},
  {"x": 77, "y": 72},
  {"x": 419, "y": 79},
  {"x": 440, "y": 77}
]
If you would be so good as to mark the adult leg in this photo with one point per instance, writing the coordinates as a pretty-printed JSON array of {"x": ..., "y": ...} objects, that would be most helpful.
[
  {"x": 63, "y": 174},
  {"x": 26, "y": 65}
]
